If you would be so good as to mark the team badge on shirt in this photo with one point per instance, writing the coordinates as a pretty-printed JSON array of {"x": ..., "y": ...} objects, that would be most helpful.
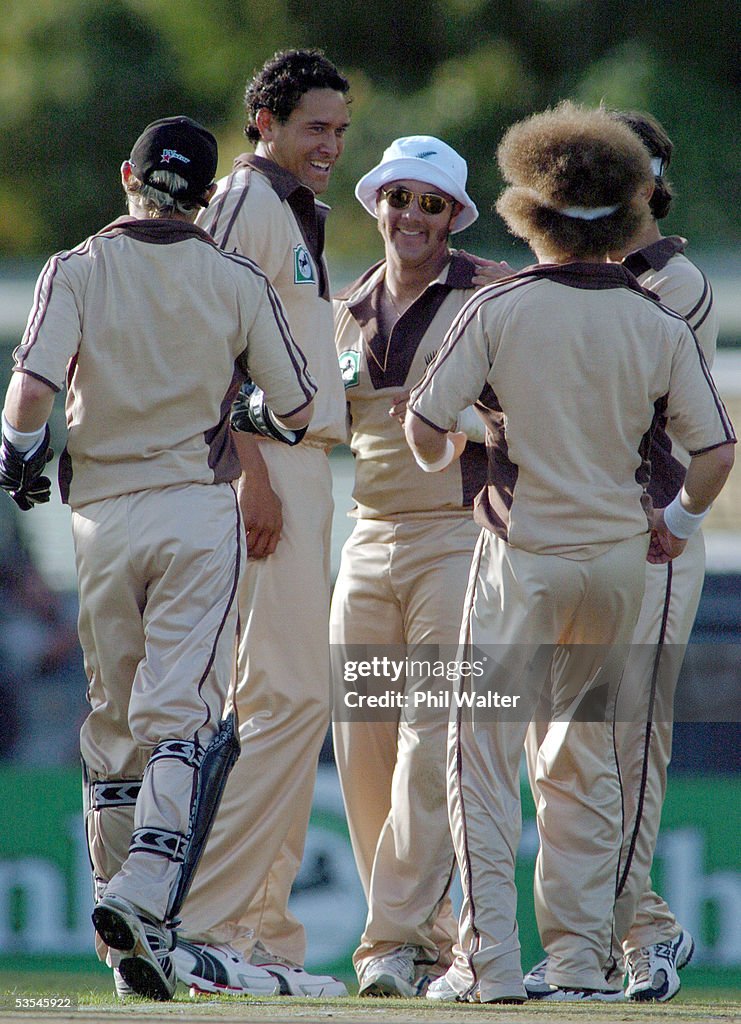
[
  {"x": 303, "y": 268},
  {"x": 350, "y": 368}
]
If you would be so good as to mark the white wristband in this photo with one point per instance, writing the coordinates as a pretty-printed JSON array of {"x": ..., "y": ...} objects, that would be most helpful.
[
  {"x": 679, "y": 521},
  {"x": 445, "y": 459},
  {"x": 26, "y": 444}
]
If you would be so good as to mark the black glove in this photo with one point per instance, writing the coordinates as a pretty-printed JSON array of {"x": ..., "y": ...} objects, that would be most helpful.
[
  {"x": 22, "y": 477},
  {"x": 250, "y": 415}
]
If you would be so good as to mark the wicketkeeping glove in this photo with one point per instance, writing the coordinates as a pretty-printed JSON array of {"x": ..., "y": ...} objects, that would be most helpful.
[
  {"x": 251, "y": 415},
  {"x": 22, "y": 478}
]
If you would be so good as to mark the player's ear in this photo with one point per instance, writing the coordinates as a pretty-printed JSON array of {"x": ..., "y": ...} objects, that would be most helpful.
[
  {"x": 264, "y": 122},
  {"x": 457, "y": 210},
  {"x": 126, "y": 173}
]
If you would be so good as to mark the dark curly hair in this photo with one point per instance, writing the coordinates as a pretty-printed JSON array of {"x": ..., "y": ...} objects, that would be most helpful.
[
  {"x": 282, "y": 81},
  {"x": 572, "y": 156},
  {"x": 653, "y": 136}
]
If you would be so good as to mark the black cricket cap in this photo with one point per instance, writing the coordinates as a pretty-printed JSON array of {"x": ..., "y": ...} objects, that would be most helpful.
[{"x": 180, "y": 145}]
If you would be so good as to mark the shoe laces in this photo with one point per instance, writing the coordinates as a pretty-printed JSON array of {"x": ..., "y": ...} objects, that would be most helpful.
[
  {"x": 276, "y": 958},
  {"x": 639, "y": 965},
  {"x": 403, "y": 957}
]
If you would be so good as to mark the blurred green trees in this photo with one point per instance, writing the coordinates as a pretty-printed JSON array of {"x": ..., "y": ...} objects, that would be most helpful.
[{"x": 80, "y": 78}]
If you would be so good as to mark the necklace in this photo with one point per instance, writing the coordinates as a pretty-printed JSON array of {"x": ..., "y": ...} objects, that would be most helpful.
[
  {"x": 389, "y": 328},
  {"x": 391, "y": 300}
]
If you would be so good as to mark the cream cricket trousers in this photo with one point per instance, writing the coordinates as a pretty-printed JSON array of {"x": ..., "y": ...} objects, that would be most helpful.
[
  {"x": 242, "y": 887},
  {"x": 643, "y": 730},
  {"x": 401, "y": 585},
  {"x": 158, "y": 573},
  {"x": 518, "y": 606}
]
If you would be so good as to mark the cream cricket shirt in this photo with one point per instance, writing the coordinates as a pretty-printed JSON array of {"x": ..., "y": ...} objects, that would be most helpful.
[
  {"x": 571, "y": 364},
  {"x": 264, "y": 212},
  {"x": 388, "y": 482},
  {"x": 663, "y": 268},
  {"x": 152, "y": 328}
]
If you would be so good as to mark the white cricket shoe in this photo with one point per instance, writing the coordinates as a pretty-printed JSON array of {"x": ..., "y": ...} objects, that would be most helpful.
[
  {"x": 392, "y": 974},
  {"x": 219, "y": 968},
  {"x": 440, "y": 989},
  {"x": 145, "y": 945},
  {"x": 534, "y": 981},
  {"x": 123, "y": 989},
  {"x": 292, "y": 978},
  {"x": 653, "y": 971}
]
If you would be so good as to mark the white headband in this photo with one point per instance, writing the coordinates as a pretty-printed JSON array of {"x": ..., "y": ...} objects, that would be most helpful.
[
  {"x": 578, "y": 212},
  {"x": 586, "y": 212}
]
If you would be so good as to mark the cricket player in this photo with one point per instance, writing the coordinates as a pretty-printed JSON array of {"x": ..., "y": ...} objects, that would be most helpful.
[
  {"x": 267, "y": 209},
  {"x": 151, "y": 328},
  {"x": 656, "y": 946},
  {"x": 403, "y": 573},
  {"x": 557, "y": 360}
]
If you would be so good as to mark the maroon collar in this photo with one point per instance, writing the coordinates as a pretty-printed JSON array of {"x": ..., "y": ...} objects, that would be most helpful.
[
  {"x": 158, "y": 231},
  {"x": 654, "y": 256}
]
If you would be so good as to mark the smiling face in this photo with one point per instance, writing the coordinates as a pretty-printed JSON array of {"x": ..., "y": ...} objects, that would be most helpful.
[
  {"x": 415, "y": 238},
  {"x": 311, "y": 140}
]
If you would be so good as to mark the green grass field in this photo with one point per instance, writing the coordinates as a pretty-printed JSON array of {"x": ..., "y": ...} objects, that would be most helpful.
[{"x": 92, "y": 997}]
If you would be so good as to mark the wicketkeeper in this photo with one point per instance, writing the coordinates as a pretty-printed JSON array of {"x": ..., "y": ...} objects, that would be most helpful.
[{"x": 151, "y": 328}]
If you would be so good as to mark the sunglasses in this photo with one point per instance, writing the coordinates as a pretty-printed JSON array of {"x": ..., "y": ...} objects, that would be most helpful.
[{"x": 429, "y": 202}]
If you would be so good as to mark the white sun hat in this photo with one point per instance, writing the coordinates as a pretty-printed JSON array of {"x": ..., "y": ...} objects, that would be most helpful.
[{"x": 421, "y": 158}]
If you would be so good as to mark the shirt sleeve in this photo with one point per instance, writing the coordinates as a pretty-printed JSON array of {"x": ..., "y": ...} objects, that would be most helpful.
[
  {"x": 53, "y": 332},
  {"x": 695, "y": 413},
  {"x": 458, "y": 373},
  {"x": 272, "y": 357}
]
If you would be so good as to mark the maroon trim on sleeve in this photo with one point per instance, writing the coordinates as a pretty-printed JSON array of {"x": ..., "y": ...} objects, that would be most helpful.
[
  {"x": 42, "y": 296},
  {"x": 37, "y": 376},
  {"x": 706, "y": 297},
  {"x": 722, "y": 413},
  {"x": 295, "y": 354},
  {"x": 439, "y": 429},
  {"x": 712, "y": 447}
]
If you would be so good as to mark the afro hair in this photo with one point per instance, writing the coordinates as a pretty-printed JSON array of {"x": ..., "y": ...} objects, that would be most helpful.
[{"x": 572, "y": 156}]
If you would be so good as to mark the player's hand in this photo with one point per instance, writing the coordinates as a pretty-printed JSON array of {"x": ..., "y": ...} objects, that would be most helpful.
[
  {"x": 487, "y": 270},
  {"x": 460, "y": 440},
  {"x": 262, "y": 514},
  {"x": 398, "y": 407},
  {"x": 664, "y": 546},
  {"x": 21, "y": 475},
  {"x": 260, "y": 506}
]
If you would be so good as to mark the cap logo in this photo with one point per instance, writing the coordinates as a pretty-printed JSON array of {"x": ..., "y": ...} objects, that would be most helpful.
[
  {"x": 427, "y": 152},
  {"x": 172, "y": 154}
]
